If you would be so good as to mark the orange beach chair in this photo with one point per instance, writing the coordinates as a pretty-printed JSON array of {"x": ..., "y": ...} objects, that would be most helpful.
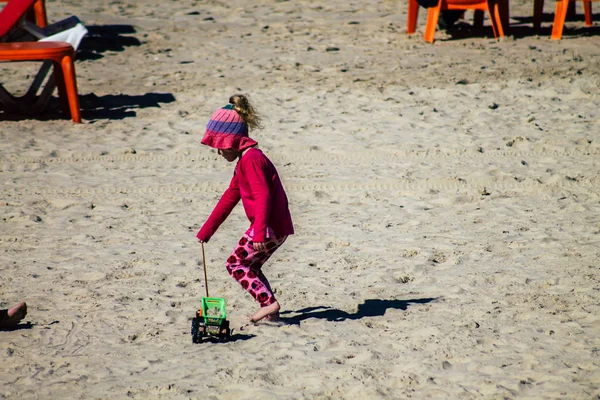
[
  {"x": 560, "y": 15},
  {"x": 493, "y": 7},
  {"x": 61, "y": 54}
]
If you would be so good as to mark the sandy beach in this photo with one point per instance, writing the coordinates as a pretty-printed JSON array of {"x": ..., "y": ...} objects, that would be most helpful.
[{"x": 446, "y": 200}]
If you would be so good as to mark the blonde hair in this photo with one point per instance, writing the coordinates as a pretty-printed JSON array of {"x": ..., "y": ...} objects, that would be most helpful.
[{"x": 242, "y": 105}]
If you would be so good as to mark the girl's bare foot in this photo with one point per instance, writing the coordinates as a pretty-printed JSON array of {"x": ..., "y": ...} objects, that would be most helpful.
[
  {"x": 19, "y": 311},
  {"x": 270, "y": 312},
  {"x": 13, "y": 315}
]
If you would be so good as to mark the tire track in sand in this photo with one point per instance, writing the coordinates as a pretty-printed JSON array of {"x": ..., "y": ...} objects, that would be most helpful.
[
  {"x": 10, "y": 164},
  {"x": 481, "y": 185}
]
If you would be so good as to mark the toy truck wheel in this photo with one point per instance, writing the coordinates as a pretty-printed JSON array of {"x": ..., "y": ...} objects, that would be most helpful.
[
  {"x": 225, "y": 334},
  {"x": 195, "y": 330}
]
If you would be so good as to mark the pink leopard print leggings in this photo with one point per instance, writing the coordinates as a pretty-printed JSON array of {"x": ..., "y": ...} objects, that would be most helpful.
[{"x": 245, "y": 264}]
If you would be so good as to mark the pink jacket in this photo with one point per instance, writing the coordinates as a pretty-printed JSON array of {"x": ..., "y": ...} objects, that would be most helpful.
[{"x": 256, "y": 182}]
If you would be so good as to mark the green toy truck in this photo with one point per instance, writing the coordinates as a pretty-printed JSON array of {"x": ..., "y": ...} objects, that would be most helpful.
[{"x": 211, "y": 321}]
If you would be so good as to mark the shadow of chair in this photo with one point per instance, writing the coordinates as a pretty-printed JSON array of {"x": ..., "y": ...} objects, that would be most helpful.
[
  {"x": 370, "y": 308},
  {"x": 103, "y": 38},
  {"x": 95, "y": 108},
  {"x": 116, "y": 107},
  {"x": 563, "y": 7}
]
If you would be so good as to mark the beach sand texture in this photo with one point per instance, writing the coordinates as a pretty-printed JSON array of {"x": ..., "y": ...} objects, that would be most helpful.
[{"x": 446, "y": 200}]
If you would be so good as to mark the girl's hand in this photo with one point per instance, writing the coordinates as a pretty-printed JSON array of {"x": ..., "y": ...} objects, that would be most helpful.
[{"x": 259, "y": 246}]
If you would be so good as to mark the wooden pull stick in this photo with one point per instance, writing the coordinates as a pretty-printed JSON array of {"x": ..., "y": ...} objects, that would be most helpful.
[{"x": 204, "y": 264}]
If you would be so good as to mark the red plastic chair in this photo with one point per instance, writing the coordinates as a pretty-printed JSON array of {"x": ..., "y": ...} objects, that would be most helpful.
[
  {"x": 413, "y": 15},
  {"x": 14, "y": 10},
  {"x": 62, "y": 55},
  {"x": 496, "y": 9},
  {"x": 560, "y": 15}
]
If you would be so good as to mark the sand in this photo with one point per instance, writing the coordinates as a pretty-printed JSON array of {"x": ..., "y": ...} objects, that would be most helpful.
[{"x": 446, "y": 200}]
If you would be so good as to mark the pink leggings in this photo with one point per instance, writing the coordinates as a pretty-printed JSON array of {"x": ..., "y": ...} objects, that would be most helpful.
[{"x": 245, "y": 264}]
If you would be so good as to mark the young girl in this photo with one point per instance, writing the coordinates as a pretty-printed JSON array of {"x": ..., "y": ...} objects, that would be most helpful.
[{"x": 256, "y": 182}]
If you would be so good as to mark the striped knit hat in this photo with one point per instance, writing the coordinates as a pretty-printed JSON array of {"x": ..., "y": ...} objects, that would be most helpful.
[{"x": 227, "y": 130}]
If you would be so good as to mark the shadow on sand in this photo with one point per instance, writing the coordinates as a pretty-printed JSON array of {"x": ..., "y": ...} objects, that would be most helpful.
[
  {"x": 370, "y": 308},
  {"x": 103, "y": 38},
  {"x": 234, "y": 338},
  {"x": 523, "y": 27},
  {"x": 18, "y": 327},
  {"x": 120, "y": 106},
  {"x": 112, "y": 107},
  {"x": 100, "y": 39}
]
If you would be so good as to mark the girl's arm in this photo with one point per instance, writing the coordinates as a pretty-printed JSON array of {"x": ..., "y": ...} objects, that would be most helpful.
[
  {"x": 230, "y": 198},
  {"x": 256, "y": 174}
]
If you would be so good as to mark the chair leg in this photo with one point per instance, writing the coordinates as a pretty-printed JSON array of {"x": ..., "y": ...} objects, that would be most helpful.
[
  {"x": 413, "y": 14},
  {"x": 538, "y": 11},
  {"x": 59, "y": 78},
  {"x": 40, "y": 13},
  {"x": 70, "y": 82},
  {"x": 559, "y": 19},
  {"x": 433, "y": 14},
  {"x": 478, "y": 19},
  {"x": 496, "y": 20},
  {"x": 587, "y": 11}
]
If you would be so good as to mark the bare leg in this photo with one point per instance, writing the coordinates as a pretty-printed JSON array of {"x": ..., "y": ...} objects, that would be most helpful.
[
  {"x": 270, "y": 312},
  {"x": 244, "y": 265},
  {"x": 11, "y": 317}
]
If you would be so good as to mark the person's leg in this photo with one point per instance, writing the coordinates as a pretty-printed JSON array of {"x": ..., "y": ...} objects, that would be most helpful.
[
  {"x": 244, "y": 265},
  {"x": 11, "y": 317}
]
